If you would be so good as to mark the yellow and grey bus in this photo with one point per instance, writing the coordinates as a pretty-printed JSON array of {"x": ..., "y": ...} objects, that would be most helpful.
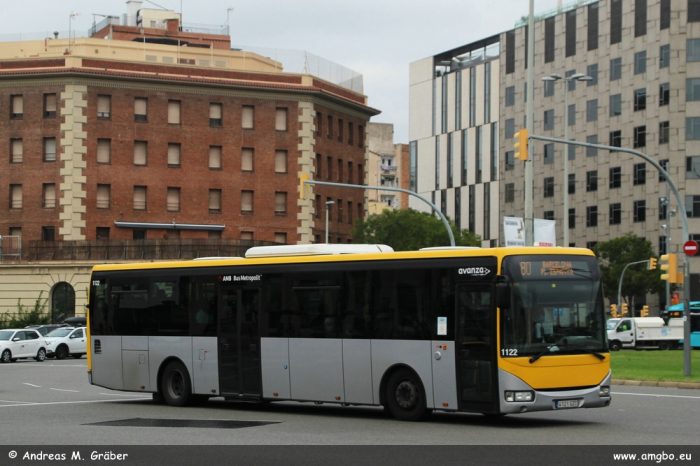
[{"x": 493, "y": 331}]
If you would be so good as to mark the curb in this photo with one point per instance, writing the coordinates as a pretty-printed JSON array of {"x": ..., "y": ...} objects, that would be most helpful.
[{"x": 647, "y": 383}]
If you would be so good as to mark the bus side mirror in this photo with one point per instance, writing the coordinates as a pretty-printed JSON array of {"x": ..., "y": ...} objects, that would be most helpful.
[{"x": 503, "y": 294}]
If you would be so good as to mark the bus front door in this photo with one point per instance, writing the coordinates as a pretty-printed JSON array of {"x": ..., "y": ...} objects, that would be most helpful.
[
  {"x": 239, "y": 342},
  {"x": 475, "y": 340}
]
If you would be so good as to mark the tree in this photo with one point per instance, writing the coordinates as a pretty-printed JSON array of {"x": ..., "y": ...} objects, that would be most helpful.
[
  {"x": 614, "y": 255},
  {"x": 409, "y": 230}
]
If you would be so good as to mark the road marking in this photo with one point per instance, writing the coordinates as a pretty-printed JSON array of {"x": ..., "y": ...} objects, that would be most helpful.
[
  {"x": 62, "y": 390},
  {"x": 32, "y": 385},
  {"x": 63, "y": 402},
  {"x": 120, "y": 394},
  {"x": 20, "y": 402},
  {"x": 658, "y": 396}
]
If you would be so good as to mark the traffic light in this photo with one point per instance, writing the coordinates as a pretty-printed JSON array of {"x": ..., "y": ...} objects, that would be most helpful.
[
  {"x": 613, "y": 310},
  {"x": 520, "y": 146},
  {"x": 624, "y": 309},
  {"x": 671, "y": 267},
  {"x": 303, "y": 190},
  {"x": 645, "y": 311},
  {"x": 652, "y": 263}
]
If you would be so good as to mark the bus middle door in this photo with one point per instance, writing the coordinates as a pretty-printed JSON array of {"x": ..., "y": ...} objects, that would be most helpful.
[{"x": 239, "y": 342}]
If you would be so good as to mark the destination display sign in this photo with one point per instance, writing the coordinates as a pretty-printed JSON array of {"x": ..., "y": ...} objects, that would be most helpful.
[{"x": 559, "y": 269}]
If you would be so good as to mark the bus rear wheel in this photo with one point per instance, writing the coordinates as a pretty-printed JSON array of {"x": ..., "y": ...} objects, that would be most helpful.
[
  {"x": 175, "y": 384},
  {"x": 405, "y": 396}
]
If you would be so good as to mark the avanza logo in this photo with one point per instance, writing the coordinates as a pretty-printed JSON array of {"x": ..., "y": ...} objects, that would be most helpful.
[{"x": 474, "y": 271}]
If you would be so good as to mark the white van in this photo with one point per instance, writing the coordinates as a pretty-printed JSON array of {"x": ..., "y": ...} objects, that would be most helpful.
[{"x": 644, "y": 333}]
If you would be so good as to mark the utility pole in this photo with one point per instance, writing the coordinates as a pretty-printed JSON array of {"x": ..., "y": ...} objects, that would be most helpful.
[{"x": 530, "y": 126}]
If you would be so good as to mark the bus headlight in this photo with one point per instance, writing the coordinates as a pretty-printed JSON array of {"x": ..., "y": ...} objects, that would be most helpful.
[
  {"x": 604, "y": 390},
  {"x": 519, "y": 396}
]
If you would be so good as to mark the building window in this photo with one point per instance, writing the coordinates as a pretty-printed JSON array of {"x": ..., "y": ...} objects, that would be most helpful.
[
  {"x": 329, "y": 126},
  {"x": 592, "y": 216},
  {"x": 173, "y": 112},
  {"x": 247, "y": 159},
  {"x": 104, "y": 150},
  {"x": 351, "y": 133},
  {"x": 572, "y": 220},
  {"x": 572, "y": 184},
  {"x": 570, "y": 33},
  {"x": 319, "y": 123},
  {"x": 664, "y": 56},
  {"x": 615, "y": 214},
  {"x": 340, "y": 210},
  {"x": 615, "y": 21},
  {"x": 138, "y": 234},
  {"x": 494, "y": 151},
  {"x": 592, "y": 181},
  {"x": 592, "y": 27},
  {"x": 174, "y": 155},
  {"x": 173, "y": 200},
  {"x": 361, "y": 135},
  {"x": 103, "y": 195},
  {"x": 140, "y": 109},
  {"x": 592, "y": 72},
  {"x": 49, "y": 105},
  {"x": 615, "y": 177},
  {"x": 592, "y": 151},
  {"x": 640, "y": 99},
  {"x": 510, "y": 96},
  {"x": 479, "y": 154},
  {"x": 214, "y": 201},
  {"x": 692, "y": 50},
  {"x": 615, "y": 69},
  {"x": 664, "y": 94},
  {"x": 692, "y": 167},
  {"x": 487, "y": 92},
  {"x": 341, "y": 127},
  {"x": 664, "y": 164},
  {"x": 361, "y": 174},
  {"x": 549, "y": 119},
  {"x": 640, "y": 18},
  {"x": 692, "y": 206},
  {"x": 49, "y": 196},
  {"x": 350, "y": 172},
  {"x": 281, "y": 161},
  {"x": 640, "y": 136},
  {"x": 140, "y": 198},
  {"x": 571, "y": 115},
  {"x": 16, "y": 151},
  {"x": 17, "y": 110},
  {"x": 104, "y": 106},
  {"x": 49, "y": 149},
  {"x": 510, "y": 192},
  {"x": 247, "y": 202},
  {"x": 450, "y": 161},
  {"x": 510, "y": 160},
  {"x": 549, "y": 37},
  {"x": 662, "y": 245},
  {"x": 510, "y": 52},
  {"x": 215, "y": 157},
  {"x": 549, "y": 88},
  {"x": 510, "y": 128},
  {"x": 15, "y": 196},
  {"x": 665, "y": 15},
  {"x": 329, "y": 168},
  {"x": 693, "y": 11},
  {"x": 413, "y": 164},
  {"x": 616, "y": 138},
  {"x": 102, "y": 233},
  {"x": 592, "y": 110},
  {"x": 548, "y": 215},
  {"x": 640, "y": 211},
  {"x": 640, "y": 174},
  {"x": 280, "y": 238},
  {"x": 548, "y": 189},
  {"x": 350, "y": 212},
  {"x": 280, "y": 119},
  {"x": 663, "y": 210},
  {"x": 248, "y": 117},
  {"x": 548, "y": 153},
  {"x": 48, "y": 233},
  {"x": 615, "y": 104},
  {"x": 692, "y": 89},
  {"x": 663, "y": 132},
  {"x": 692, "y": 128},
  {"x": 140, "y": 153},
  {"x": 472, "y": 96},
  {"x": 640, "y": 62}
]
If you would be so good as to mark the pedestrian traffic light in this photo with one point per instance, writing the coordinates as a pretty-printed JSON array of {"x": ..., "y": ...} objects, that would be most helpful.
[
  {"x": 613, "y": 310},
  {"x": 520, "y": 146},
  {"x": 652, "y": 263},
  {"x": 671, "y": 268},
  {"x": 624, "y": 309},
  {"x": 645, "y": 311}
]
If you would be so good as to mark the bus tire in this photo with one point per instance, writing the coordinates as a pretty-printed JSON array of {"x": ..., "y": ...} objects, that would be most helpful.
[
  {"x": 176, "y": 386},
  {"x": 615, "y": 346},
  {"x": 405, "y": 396}
]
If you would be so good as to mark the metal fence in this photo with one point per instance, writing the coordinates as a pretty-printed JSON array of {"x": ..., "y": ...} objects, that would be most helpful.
[
  {"x": 135, "y": 250},
  {"x": 10, "y": 247}
]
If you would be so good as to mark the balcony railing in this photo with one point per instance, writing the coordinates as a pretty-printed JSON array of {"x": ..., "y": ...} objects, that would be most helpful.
[{"x": 135, "y": 250}]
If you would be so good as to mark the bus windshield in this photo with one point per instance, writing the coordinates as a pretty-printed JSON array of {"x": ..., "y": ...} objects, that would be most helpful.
[{"x": 557, "y": 307}]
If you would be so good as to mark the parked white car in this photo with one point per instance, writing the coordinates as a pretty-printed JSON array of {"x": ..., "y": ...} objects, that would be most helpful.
[
  {"x": 21, "y": 344},
  {"x": 64, "y": 342}
]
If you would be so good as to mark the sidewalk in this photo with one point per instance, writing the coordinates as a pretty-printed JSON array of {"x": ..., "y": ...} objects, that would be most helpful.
[{"x": 646, "y": 383}]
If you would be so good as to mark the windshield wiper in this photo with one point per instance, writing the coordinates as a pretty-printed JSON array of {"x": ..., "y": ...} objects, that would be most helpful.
[
  {"x": 544, "y": 351},
  {"x": 594, "y": 353}
]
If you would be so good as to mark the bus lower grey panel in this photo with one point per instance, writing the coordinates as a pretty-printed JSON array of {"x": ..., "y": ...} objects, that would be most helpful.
[
  {"x": 316, "y": 369},
  {"x": 415, "y": 354},
  {"x": 357, "y": 371},
  {"x": 444, "y": 375},
  {"x": 104, "y": 361},
  {"x": 205, "y": 366},
  {"x": 135, "y": 343},
  {"x": 274, "y": 353},
  {"x": 161, "y": 348},
  {"x": 135, "y": 371}
]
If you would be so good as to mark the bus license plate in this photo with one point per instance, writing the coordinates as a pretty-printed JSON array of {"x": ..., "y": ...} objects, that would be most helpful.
[{"x": 562, "y": 404}]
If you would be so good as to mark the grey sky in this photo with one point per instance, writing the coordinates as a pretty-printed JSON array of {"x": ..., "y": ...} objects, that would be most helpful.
[{"x": 377, "y": 38}]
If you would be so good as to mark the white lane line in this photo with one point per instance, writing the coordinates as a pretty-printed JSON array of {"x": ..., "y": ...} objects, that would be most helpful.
[
  {"x": 18, "y": 402},
  {"x": 658, "y": 396},
  {"x": 62, "y": 390},
  {"x": 32, "y": 385},
  {"x": 121, "y": 394},
  {"x": 66, "y": 402}
]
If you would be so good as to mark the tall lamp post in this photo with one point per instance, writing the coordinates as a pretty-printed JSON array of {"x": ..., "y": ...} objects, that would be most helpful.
[
  {"x": 567, "y": 80},
  {"x": 328, "y": 207}
]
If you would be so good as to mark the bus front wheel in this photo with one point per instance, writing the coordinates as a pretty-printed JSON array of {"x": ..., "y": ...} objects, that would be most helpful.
[
  {"x": 405, "y": 397},
  {"x": 175, "y": 385}
]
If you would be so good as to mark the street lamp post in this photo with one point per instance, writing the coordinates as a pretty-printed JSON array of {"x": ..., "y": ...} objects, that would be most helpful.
[
  {"x": 328, "y": 206},
  {"x": 567, "y": 79}
]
